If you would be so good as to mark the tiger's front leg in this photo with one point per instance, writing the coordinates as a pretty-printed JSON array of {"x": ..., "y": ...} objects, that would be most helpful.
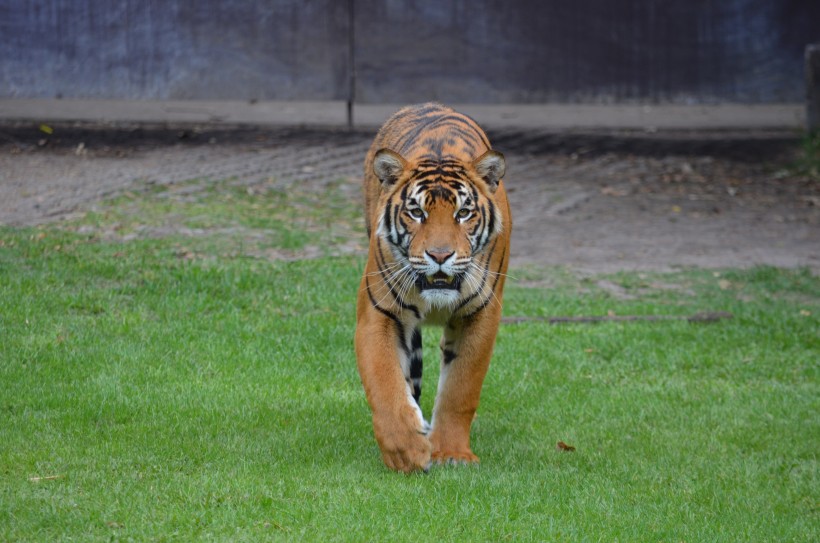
[
  {"x": 398, "y": 424},
  {"x": 466, "y": 348}
]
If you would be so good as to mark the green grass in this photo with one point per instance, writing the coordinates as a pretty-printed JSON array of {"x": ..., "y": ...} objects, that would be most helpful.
[
  {"x": 227, "y": 218},
  {"x": 176, "y": 388}
]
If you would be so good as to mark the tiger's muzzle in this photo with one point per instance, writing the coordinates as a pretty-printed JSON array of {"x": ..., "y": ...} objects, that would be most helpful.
[{"x": 438, "y": 280}]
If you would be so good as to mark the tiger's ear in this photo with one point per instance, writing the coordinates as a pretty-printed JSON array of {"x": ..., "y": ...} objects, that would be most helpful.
[
  {"x": 491, "y": 167},
  {"x": 388, "y": 167}
]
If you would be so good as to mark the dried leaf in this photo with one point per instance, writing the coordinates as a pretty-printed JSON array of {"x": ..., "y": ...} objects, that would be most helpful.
[{"x": 563, "y": 447}]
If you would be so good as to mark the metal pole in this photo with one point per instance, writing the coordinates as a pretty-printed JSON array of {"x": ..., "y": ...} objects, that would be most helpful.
[
  {"x": 813, "y": 87},
  {"x": 351, "y": 61}
]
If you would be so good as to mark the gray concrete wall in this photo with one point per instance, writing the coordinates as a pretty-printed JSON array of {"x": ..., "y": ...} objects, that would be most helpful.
[
  {"x": 584, "y": 51},
  {"x": 174, "y": 49},
  {"x": 398, "y": 51}
]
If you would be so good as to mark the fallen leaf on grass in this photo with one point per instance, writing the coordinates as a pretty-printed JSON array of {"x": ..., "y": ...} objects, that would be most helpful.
[
  {"x": 563, "y": 447},
  {"x": 275, "y": 525}
]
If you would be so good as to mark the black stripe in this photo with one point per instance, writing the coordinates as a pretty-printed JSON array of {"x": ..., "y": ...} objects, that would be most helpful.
[
  {"x": 416, "y": 364},
  {"x": 415, "y": 344},
  {"x": 491, "y": 213},
  {"x": 479, "y": 226},
  {"x": 436, "y": 146},
  {"x": 388, "y": 220},
  {"x": 474, "y": 235},
  {"x": 489, "y": 298},
  {"x": 459, "y": 125},
  {"x": 385, "y": 312},
  {"x": 480, "y": 132},
  {"x": 464, "y": 121},
  {"x": 410, "y": 138},
  {"x": 398, "y": 237},
  {"x": 394, "y": 318},
  {"x": 478, "y": 291},
  {"x": 468, "y": 138},
  {"x": 475, "y": 192}
]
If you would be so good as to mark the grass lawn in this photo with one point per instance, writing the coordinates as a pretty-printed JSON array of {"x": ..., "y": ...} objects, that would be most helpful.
[{"x": 187, "y": 388}]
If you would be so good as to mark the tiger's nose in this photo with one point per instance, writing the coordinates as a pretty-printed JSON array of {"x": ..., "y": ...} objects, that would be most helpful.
[{"x": 440, "y": 256}]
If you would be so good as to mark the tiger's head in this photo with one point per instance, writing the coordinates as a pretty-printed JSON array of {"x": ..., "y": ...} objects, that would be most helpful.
[{"x": 438, "y": 217}]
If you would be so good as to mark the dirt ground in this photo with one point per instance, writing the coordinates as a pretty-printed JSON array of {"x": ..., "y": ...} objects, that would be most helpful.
[{"x": 592, "y": 201}]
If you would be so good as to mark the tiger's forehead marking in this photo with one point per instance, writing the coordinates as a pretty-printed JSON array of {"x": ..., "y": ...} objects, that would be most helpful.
[
  {"x": 439, "y": 168},
  {"x": 436, "y": 180}
]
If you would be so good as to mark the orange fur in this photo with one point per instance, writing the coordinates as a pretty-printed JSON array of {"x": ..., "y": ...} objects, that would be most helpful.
[{"x": 439, "y": 227}]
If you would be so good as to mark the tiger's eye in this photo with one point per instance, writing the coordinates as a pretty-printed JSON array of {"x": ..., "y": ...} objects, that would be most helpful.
[
  {"x": 416, "y": 213},
  {"x": 463, "y": 213}
]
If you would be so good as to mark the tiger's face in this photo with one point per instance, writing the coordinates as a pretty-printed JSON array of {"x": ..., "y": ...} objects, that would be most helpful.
[{"x": 439, "y": 217}]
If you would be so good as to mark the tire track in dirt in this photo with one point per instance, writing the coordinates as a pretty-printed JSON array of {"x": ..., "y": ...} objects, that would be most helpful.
[{"x": 593, "y": 201}]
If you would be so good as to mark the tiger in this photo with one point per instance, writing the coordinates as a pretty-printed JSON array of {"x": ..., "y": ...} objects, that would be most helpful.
[{"x": 438, "y": 225}]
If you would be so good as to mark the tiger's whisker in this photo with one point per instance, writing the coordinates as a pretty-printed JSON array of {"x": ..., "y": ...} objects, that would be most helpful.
[{"x": 492, "y": 290}]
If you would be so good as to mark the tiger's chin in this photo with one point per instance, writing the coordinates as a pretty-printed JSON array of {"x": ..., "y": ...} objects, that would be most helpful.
[{"x": 441, "y": 297}]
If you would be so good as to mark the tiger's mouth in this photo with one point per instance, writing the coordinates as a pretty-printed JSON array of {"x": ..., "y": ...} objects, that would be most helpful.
[{"x": 439, "y": 280}]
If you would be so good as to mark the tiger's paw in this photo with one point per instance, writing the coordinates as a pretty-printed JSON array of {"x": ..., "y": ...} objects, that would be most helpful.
[
  {"x": 414, "y": 457},
  {"x": 454, "y": 457},
  {"x": 403, "y": 444}
]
